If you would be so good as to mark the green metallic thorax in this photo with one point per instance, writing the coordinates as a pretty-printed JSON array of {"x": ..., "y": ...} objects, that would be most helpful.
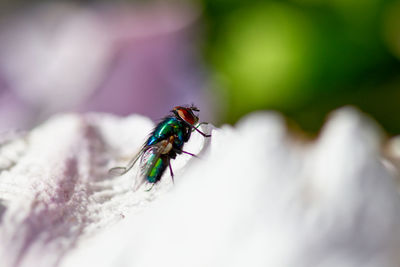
[{"x": 170, "y": 126}]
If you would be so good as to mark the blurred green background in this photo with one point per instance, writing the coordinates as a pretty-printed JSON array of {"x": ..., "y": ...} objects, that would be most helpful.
[
  {"x": 303, "y": 58},
  {"x": 307, "y": 57}
]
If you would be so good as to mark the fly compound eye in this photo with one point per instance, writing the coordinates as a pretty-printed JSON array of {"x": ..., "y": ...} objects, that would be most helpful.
[{"x": 187, "y": 115}]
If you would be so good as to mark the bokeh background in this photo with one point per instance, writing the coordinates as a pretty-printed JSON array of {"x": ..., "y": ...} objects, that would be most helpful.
[{"x": 303, "y": 58}]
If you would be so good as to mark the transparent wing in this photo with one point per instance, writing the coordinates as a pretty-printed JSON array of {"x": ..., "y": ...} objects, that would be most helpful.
[
  {"x": 148, "y": 161},
  {"x": 118, "y": 171}
]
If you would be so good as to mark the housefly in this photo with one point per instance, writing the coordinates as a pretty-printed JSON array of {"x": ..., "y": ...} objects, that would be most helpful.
[{"x": 164, "y": 143}]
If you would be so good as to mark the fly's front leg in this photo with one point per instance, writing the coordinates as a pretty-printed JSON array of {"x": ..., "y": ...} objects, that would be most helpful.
[
  {"x": 200, "y": 132},
  {"x": 203, "y": 134},
  {"x": 201, "y": 123}
]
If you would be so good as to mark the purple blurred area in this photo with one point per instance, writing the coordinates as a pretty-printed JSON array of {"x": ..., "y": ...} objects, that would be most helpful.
[{"x": 122, "y": 59}]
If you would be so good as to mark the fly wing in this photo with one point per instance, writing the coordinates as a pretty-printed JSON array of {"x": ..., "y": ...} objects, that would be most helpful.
[
  {"x": 147, "y": 162},
  {"x": 118, "y": 171}
]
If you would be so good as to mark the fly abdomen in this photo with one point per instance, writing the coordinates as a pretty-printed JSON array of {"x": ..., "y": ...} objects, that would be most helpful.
[{"x": 153, "y": 164}]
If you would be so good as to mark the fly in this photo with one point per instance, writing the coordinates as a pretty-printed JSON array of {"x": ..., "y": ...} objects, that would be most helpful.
[{"x": 164, "y": 143}]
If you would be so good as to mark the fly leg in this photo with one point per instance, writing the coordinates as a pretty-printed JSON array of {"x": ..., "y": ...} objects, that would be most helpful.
[
  {"x": 203, "y": 134},
  {"x": 196, "y": 129},
  {"x": 178, "y": 151},
  {"x": 193, "y": 155},
  {"x": 198, "y": 125},
  {"x": 170, "y": 170}
]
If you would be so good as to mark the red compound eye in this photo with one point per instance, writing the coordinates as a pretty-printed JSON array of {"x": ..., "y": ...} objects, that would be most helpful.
[{"x": 187, "y": 115}]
